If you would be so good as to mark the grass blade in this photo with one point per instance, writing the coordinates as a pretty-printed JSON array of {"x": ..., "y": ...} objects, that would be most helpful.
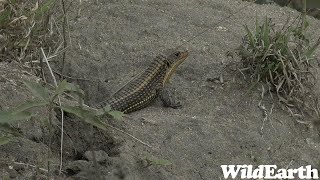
[
  {"x": 85, "y": 115},
  {"x": 61, "y": 88},
  {"x": 4, "y": 140},
  {"x": 116, "y": 114},
  {"x": 250, "y": 36},
  {"x": 30, "y": 104},
  {"x": 10, "y": 130},
  {"x": 8, "y": 116},
  {"x": 37, "y": 90}
]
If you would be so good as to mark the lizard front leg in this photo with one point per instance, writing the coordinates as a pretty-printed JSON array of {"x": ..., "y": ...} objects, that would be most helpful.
[{"x": 167, "y": 100}]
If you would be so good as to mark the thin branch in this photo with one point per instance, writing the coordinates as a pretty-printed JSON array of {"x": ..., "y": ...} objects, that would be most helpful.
[
  {"x": 62, "y": 113},
  {"x": 117, "y": 129},
  {"x": 64, "y": 34},
  {"x": 304, "y": 14}
]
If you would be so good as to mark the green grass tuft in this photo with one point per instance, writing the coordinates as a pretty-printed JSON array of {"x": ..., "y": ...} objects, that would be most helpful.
[{"x": 281, "y": 59}]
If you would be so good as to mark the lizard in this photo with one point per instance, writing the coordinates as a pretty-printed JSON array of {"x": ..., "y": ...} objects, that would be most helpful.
[{"x": 143, "y": 90}]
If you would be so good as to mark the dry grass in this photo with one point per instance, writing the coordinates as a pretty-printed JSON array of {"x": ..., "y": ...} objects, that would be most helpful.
[
  {"x": 25, "y": 26},
  {"x": 282, "y": 60}
]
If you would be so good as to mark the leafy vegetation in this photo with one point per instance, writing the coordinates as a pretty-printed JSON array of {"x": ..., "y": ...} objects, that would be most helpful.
[
  {"x": 27, "y": 28},
  {"x": 45, "y": 98}
]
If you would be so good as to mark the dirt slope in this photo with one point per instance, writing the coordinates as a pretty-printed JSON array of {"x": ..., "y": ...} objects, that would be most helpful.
[{"x": 112, "y": 41}]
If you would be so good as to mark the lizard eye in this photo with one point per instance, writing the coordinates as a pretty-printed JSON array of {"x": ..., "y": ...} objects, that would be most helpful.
[{"x": 177, "y": 54}]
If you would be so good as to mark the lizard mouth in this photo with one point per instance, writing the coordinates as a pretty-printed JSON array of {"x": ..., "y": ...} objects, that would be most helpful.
[{"x": 181, "y": 56}]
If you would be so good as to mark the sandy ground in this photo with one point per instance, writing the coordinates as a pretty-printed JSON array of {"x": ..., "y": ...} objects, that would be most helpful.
[{"x": 112, "y": 41}]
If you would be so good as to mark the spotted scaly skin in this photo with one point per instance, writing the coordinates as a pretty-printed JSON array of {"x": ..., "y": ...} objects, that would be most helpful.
[{"x": 140, "y": 92}]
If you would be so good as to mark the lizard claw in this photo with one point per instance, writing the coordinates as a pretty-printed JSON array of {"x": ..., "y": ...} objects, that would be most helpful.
[{"x": 174, "y": 105}]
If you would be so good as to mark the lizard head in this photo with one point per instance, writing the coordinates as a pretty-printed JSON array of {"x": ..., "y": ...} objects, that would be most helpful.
[{"x": 173, "y": 60}]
